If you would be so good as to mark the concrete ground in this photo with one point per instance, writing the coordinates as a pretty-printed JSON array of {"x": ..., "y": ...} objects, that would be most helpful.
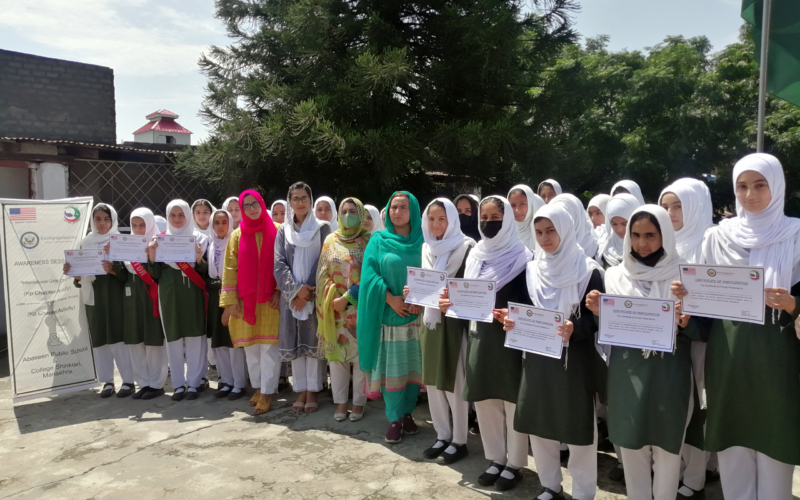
[{"x": 81, "y": 446}]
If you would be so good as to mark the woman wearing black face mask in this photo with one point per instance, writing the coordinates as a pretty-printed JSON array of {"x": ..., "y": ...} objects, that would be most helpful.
[
  {"x": 649, "y": 393},
  {"x": 468, "y": 215},
  {"x": 494, "y": 371}
]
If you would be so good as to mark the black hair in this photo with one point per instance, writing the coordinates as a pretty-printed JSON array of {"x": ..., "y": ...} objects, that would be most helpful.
[
  {"x": 437, "y": 203},
  {"x": 539, "y": 219},
  {"x": 299, "y": 185},
  {"x": 644, "y": 215},
  {"x": 518, "y": 190},
  {"x": 621, "y": 190},
  {"x": 543, "y": 184},
  {"x": 497, "y": 201},
  {"x": 102, "y": 207},
  {"x": 202, "y": 202}
]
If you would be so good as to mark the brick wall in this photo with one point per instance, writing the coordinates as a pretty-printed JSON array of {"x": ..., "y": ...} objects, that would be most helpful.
[{"x": 54, "y": 99}]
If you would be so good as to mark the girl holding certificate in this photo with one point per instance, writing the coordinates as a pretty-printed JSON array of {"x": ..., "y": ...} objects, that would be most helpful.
[
  {"x": 297, "y": 248},
  {"x": 102, "y": 297},
  {"x": 752, "y": 370},
  {"x": 388, "y": 328},
  {"x": 525, "y": 204},
  {"x": 250, "y": 297},
  {"x": 556, "y": 395},
  {"x": 649, "y": 393},
  {"x": 501, "y": 257},
  {"x": 443, "y": 340},
  {"x": 688, "y": 203},
  {"x": 548, "y": 190},
  {"x": 143, "y": 331},
  {"x": 182, "y": 300}
]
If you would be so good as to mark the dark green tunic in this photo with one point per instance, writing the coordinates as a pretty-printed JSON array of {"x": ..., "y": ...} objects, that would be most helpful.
[
  {"x": 648, "y": 399},
  {"x": 218, "y": 333},
  {"x": 493, "y": 370},
  {"x": 140, "y": 325},
  {"x": 105, "y": 316},
  {"x": 182, "y": 302},
  {"x": 753, "y": 386},
  {"x": 441, "y": 348},
  {"x": 557, "y": 403}
]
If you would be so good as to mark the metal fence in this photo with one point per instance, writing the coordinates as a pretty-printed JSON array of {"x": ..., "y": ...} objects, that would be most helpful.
[{"x": 129, "y": 185}]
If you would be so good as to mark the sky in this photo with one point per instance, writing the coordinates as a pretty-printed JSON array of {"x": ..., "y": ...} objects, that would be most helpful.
[{"x": 153, "y": 46}]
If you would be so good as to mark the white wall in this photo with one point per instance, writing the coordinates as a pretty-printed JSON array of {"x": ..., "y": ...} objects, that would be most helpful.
[{"x": 50, "y": 181}]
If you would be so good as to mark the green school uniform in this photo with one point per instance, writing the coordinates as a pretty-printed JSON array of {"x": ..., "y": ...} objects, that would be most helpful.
[
  {"x": 140, "y": 325},
  {"x": 182, "y": 302},
  {"x": 105, "y": 317}
]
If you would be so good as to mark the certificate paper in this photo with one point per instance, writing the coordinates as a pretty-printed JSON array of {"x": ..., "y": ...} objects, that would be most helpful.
[
  {"x": 471, "y": 299},
  {"x": 176, "y": 248},
  {"x": 638, "y": 322},
  {"x": 85, "y": 262},
  {"x": 424, "y": 286},
  {"x": 725, "y": 292},
  {"x": 535, "y": 330},
  {"x": 127, "y": 247}
]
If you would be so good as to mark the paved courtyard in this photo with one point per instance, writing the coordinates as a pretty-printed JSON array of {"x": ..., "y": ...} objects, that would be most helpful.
[{"x": 80, "y": 446}]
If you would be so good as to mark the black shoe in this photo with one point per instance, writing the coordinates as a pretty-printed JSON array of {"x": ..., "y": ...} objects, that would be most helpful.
[
  {"x": 433, "y": 451},
  {"x": 203, "y": 385},
  {"x": 472, "y": 422},
  {"x": 108, "y": 390},
  {"x": 488, "y": 479},
  {"x": 233, "y": 396},
  {"x": 125, "y": 391},
  {"x": 565, "y": 456},
  {"x": 153, "y": 393},
  {"x": 696, "y": 494},
  {"x": 283, "y": 384},
  {"x": 178, "y": 396},
  {"x": 192, "y": 395},
  {"x": 555, "y": 496},
  {"x": 712, "y": 476},
  {"x": 503, "y": 484},
  {"x": 222, "y": 391},
  {"x": 451, "y": 458},
  {"x": 617, "y": 473},
  {"x": 138, "y": 394}
]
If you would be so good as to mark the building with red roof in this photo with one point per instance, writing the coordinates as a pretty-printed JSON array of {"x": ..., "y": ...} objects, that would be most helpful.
[{"x": 163, "y": 129}]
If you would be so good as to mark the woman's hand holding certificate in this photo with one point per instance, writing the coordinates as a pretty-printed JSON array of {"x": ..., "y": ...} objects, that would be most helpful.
[
  {"x": 84, "y": 262},
  {"x": 637, "y": 322},
  {"x": 424, "y": 286},
  {"x": 724, "y": 292},
  {"x": 127, "y": 247},
  {"x": 536, "y": 330},
  {"x": 176, "y": 248},
  {"x": 471, "y": 299}
]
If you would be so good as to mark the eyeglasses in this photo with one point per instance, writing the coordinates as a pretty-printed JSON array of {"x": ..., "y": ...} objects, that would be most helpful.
[
  {"x": 304, "y": 199},
  {"x": 251, "y": 206}
]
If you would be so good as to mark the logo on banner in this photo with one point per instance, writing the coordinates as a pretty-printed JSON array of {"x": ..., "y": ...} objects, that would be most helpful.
[
  {"x": 466, "y": 285},
  {"x": 72, "y": 214},
  {"x": 628, "y": 304},
  {"x": 754, "y": 275},
  {"x": 441, "y": 277},
  {"x": 558, "y": 318},
  {"x": 711, "y": 272},
  {"x": 421, "y": 275},
  {"x": 29, "y": 240},
  {"x": 491, "y": 287},
  {"x": 529, "y": 313},
  {"x": 24, "y": 214},
  {"x": 665, "y": 307}
]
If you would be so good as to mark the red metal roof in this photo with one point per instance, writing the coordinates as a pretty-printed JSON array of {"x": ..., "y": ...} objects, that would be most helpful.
[
  {"x": 161, "y": 112},
  {"x": 163, "y": 125}
]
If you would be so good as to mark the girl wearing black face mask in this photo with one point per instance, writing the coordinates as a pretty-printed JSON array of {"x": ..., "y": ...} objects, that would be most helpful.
[
  {"x": 468, "y": 215},
  {"x": 649, "y": 393},
  {"x": 494, "y": 371}
]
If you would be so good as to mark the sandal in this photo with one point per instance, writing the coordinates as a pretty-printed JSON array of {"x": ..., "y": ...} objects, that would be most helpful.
[
  {"x": 298, "y": 406},
  {"x": 312, "y": 407},
  {"x": 263, "y": 405},
  {"x": 108, "y": 390},
  {"x": 254, "y": 400}
]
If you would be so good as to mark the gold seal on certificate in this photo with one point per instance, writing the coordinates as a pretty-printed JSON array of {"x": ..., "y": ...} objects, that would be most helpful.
[
  {"x": 724, "y": 292},
  {"x": 637, "y": 322},
  {"x": 472, "y": 299},
  {"x": 535, "y": 330},
  {"x": 127, "y": 247},
  {"x": 424, "y": 286},
  {"x": 176, "y": 248},
  {"x": 85, "y": 262}
]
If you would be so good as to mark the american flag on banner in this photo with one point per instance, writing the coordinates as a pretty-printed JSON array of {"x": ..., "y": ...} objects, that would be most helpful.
[
  {"x": 19, "y": 214},
  {"x": 515, "y": 310},
  {"x": 608, "y": 302},
  {"x": 411, "y": 273},
  {"x": 454, "y": 284},
  {"x": 689, "y": 270}
]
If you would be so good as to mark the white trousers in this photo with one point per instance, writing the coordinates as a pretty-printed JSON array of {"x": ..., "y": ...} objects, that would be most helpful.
[
  {"x": 501, "y": 443},
  {"x": 694, "y": 466},
  {"x": 582, "y": 466},
  {"x": 106, "y": 356},
  {"x": 307, "y": 374},
  {"x": 231, "y": 366},
  {"x": 444, "y": 404},
  {"x": 638, "y": 466},
  {"x": 264, "y": 366},
  {"x": 188, "y": 361},
  {"x": 149, "y": 365},
  {"x": 340, "y": 383},
  {"x": 749, "y": 475}
]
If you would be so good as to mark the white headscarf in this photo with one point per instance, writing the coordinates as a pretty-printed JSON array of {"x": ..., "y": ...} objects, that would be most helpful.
[
  {"x": 161, "y": 223},
  {"x": 769, "y": 235},
  {"x": 96, "y": 240},
  {"x": 584, "y": 232},
  {"x": 279, "y": 202},
  {"x": 552, "y": 182},
  {"x": 150, "y": 228},
  {"x": 525, "y": 228},
  {"x": 622, "y": 205},
  {"x": 632, "y": 188},
  {"x": 306, "y": 252},
  {"x": 225, "y": 207},
  {"x": 600, "y": 201},
  {"x": 188, "y": 229},
  {"x": 501, "y": 258},
  {"x": 446, "y": 254},
  {"x": 698, "y": 215},
  {"x": 215, "y": 267},
  {"x": 475, "y": 197},
  {"x": 636, "y": 279},
  {"x": 377, "y": 222},
  {"x": 207, "y": 232},
  {"x": 558, "y": 280},
  {"x": 334, "y": 214}
]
